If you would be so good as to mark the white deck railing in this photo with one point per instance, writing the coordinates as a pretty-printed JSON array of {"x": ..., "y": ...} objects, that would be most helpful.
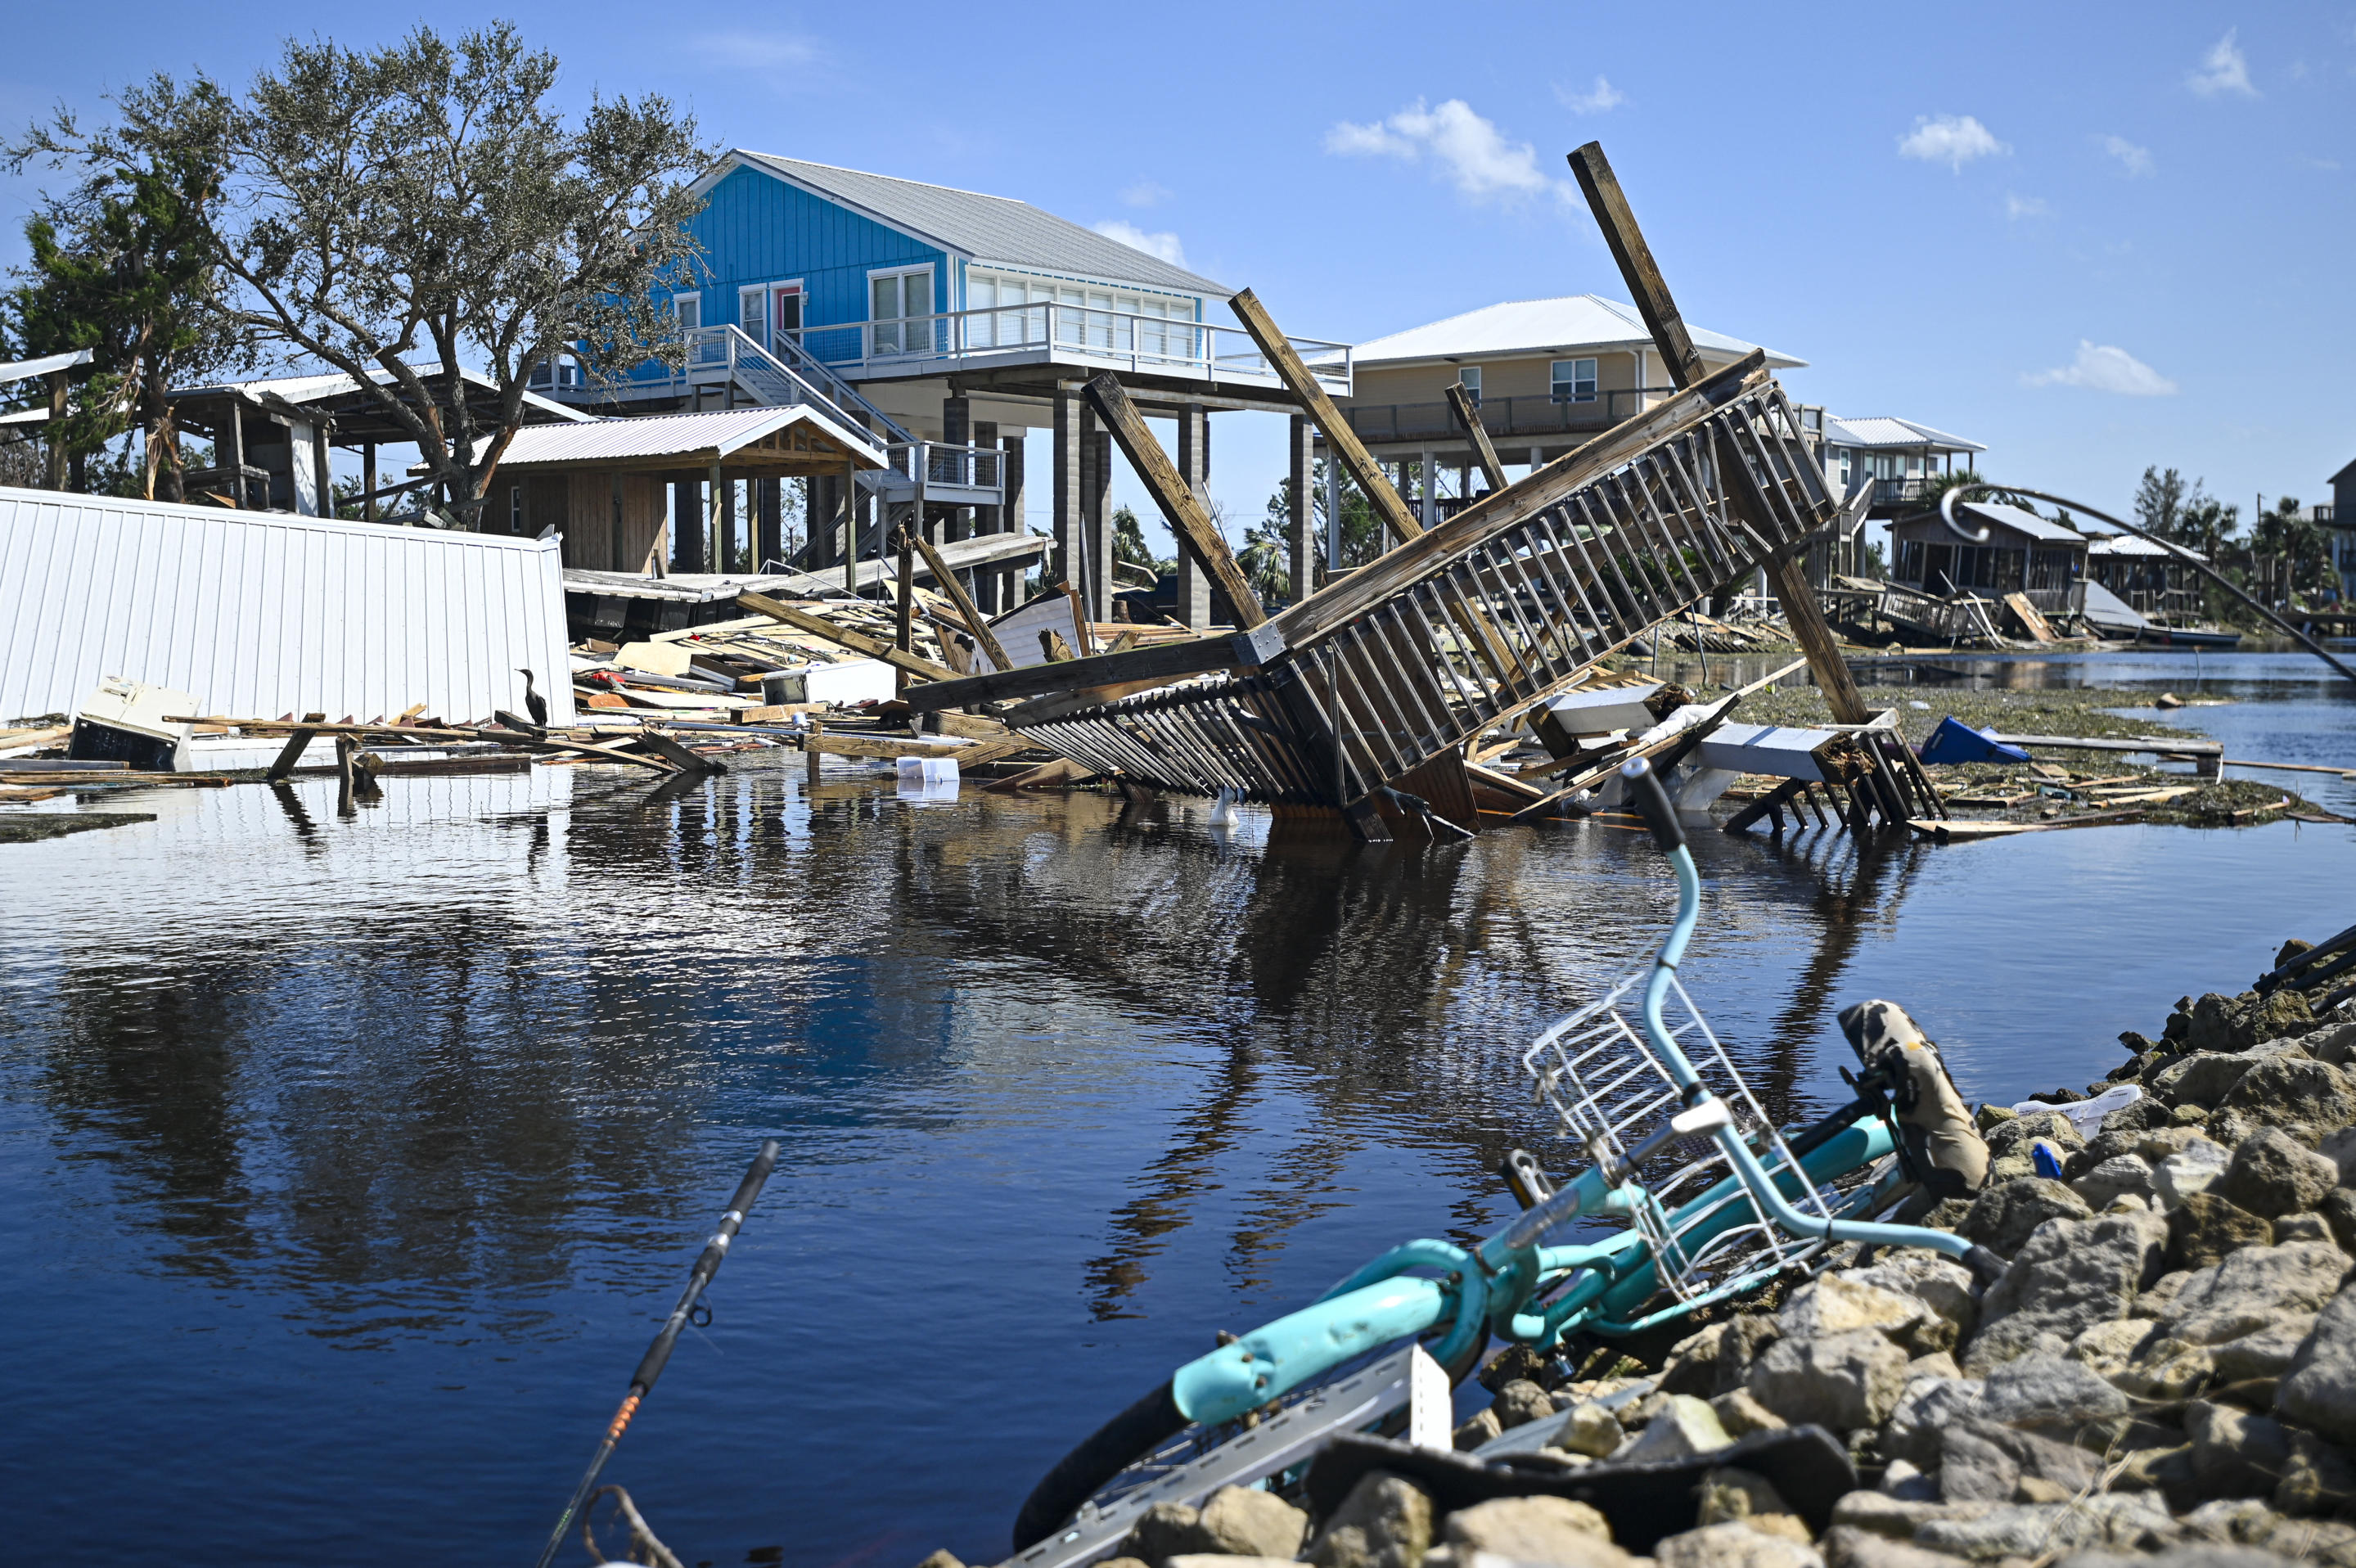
[{"x": 1140, "y": 343}]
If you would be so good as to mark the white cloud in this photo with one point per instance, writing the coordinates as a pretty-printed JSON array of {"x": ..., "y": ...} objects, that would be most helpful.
[
  {"x": 1475, "y": 157},
  {"x": 2020, "y": 207},
  {"x": 2101, "y": 368},
  {"x": 1146, "y": 193},
  {"x": 2136, "y": 160},
  {"x": 2222, "y": 70},
  {"x": 755, "y": 52},
  {"x": 1951, "y": 139},
  {"x": 1599, "y": 98},
  {"x": 1164, "y": 244}
]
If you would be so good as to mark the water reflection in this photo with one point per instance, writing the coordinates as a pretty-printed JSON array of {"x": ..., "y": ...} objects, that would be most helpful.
[{"x": 373, "y": 1141}]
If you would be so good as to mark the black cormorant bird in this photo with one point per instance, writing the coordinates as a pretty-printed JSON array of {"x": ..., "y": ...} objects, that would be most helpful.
[{"x": 533, "y": 703}]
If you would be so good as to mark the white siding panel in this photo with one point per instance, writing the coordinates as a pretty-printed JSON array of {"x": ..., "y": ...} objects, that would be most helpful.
[{"x": 258, "y": 614}]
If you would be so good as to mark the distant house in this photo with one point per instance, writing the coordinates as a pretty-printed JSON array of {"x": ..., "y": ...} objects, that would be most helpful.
[
  {"x": 2340, "y": 518},
  {"x": 1901, "y": 459},
  {"x": 2023, "y": 553},
  {"x": 949, "y": 322},
  {"x": 2149, "y": 578},
  {"x": 1549, "y": 374}
]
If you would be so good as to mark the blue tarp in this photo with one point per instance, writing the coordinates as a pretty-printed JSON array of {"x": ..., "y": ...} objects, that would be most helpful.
[{"x": 1956, "y": 741}]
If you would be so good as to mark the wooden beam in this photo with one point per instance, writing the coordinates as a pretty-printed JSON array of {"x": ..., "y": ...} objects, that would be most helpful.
[
  {"x": 1160, "y": 663},
  {"x": 296, "y": 744},
  {"x": 905, "y": 629},
  {"x": 843, "y": 636},
  {"x": 1188, "y": 519},
  {"x": 1341, "y": 441},
  {"x": 1637, "y": 268},
  {"x": 1468, "y": 417},
  {"x": 946, "y": 581},
  {"x": 1642, "y": 273}
]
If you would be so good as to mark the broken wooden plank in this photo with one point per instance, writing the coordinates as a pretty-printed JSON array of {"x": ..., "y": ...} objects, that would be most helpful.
[
  {"x": 1159, "y": 663},
  {"x": 974, "y": 620},
  {"x": 843, "y": 636},
  {"x": 1485, "y": 451},
  {"x": 1341, "y": 440},
  {"x": 2029, "y": 616},
  {"x": 1188, "y": 518}
]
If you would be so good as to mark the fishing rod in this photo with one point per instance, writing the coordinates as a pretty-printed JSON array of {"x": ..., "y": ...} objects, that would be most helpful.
[
  {"x": 650, "y": 1366},
  {"x": 2190, "y": 558}
]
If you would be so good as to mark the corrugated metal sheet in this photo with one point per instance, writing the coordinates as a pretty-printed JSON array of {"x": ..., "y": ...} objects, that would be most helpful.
[
  {"x": 1574, "y": 322},
  {"x": 672, "y": 436},
  {"x": 259, "y": 613},
  {"x": 1882, "y": 429}
]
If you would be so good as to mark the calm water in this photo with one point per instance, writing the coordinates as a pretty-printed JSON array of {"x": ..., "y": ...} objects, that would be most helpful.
[{"x": 346, "y": 1165}]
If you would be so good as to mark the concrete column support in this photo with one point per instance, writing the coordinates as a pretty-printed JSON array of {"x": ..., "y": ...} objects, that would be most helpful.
[
  {"x": 1302, "y": 559},
  {"x": 957, "y": 430},
  {"x": 1193, "y": 605},
  {"x": 1070, "y": 546},
  {"x": 1424, "y": 477},
  {"x": 1333, "y": 514}
]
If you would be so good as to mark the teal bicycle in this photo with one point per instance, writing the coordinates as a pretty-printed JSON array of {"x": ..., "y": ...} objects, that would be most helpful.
[{"x": 1715, "y": 1201}]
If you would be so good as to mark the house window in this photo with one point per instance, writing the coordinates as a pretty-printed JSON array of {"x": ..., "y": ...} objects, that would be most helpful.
[
  {"x": 898, "y": 303},
  {"x": 689, "y": 308},
  {"x": 1573, "y": 380},
  {"x": 753, "y": 312},
  {"x": 1471, "y": 376}
]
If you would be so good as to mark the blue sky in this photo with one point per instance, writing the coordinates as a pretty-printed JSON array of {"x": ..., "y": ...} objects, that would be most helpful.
[{"x": 2093, "y": 238}]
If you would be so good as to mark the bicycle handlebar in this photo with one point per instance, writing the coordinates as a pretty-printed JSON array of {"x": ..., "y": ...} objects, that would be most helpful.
[{"x": 1643, "y": 787}]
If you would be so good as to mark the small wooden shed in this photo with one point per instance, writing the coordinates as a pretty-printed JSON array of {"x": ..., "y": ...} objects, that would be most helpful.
[{"x": 600, "y": 483}]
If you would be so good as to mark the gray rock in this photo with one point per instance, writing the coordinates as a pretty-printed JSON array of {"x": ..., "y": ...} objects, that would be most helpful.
[
  {"x": 1900, "y": 1479},
  {"x": 2133, "y": 1521},
  {"x": 1745, "y": 1338},
  {"x": 2003, "y": 1217},
  {"x": 2318, "y": 1477},
  {"x": 2205, "y": 1228},
  {"x": 2160, "y": 1299},
  {"x": 2245, "y": 1522},
  {"x": 1537, "y": 1529},
  {"x": 1483, "y": 1427},
  {"x": 1520, "y": 1402},
  {"x": 2235, "y": 1454},
  {"x": 2339, "y": 1147},
  {"x": 1165, "y": 1531},
  {"x": 2334, "y": 1042},
  {"x": 1731, "y": 1496},
  {"x": 2045, "y": 1391},
  {"x": 2203, "y": 1556},
  {"x": 2253, "y": 1289},
  {"x": 2072, "y": 1276},
  {"x": 2120, "y": 1176},
  {"x": 2272, "y": 1174},
  {"x": 1925, "y": 1407},
  {"x": 1845, "y": 1546},
  {"x": 1734, "y": 1546},
  {"x": 1741, "y": 1415},
  {"x": 1981, "y": 1461},
  {"x": 2013, "y": 1137},
  {"x": 2289, "y": 1228},
  {"x": 1591, "y": 1430},
  {"x": 2338, "y": 1213},
  {"x": 1385, "y": 1522},
  {"x": 1937, "y": 1364},
  {"x": 1687, "y": 1426},
  {"x": 2320, "y": 1392},
  {"x": 2202, "y": 1079},
  {"x": 1944, "y": 1286},
  {"x": 2268, "y": 1353},
  {"x": 2308, "y": 1099},
  {"x": 1895, "y": 1518},
  {"x": 1243, "y": 1521},
  {"x": 1691, "y": 1367},
  {"x": 1837, "y": 1303},
  {"x": 1843, "y": 1381}
]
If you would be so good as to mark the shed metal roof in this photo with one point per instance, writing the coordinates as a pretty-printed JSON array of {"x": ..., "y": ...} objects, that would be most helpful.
[
  {"x": 2023, "y": 521},
  {"x": 983, "y": 228},
  {"x": 715, "y": 433},
  {"x": 1882, "y": 429},
  {"x": 1574, "y": 321},
  {"x": 2128, "y": 544},
  {"x": 23, "y": 369},
  {"x": 260, "y": 613},
  {"x": 305, "y": 390}
]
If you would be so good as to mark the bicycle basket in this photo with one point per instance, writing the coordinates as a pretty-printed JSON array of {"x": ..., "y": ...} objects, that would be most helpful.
[{"x": 1608, "y": 1091}]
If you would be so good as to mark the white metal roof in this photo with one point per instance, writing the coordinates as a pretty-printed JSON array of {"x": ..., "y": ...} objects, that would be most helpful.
[
  {"x": 302, "y": 390},
  {"x": 260, "y": 613},
  {"x": 2024, "y": 521},
  {"x": 1882, "y": 429},
  {"x": 717, "y": 433},
  {"x": 1576, "y": 322},
  {"x": 2128, "y": 544},
  {"x": 982, "y": 227},
  {"x": 24, "y": 370}
]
